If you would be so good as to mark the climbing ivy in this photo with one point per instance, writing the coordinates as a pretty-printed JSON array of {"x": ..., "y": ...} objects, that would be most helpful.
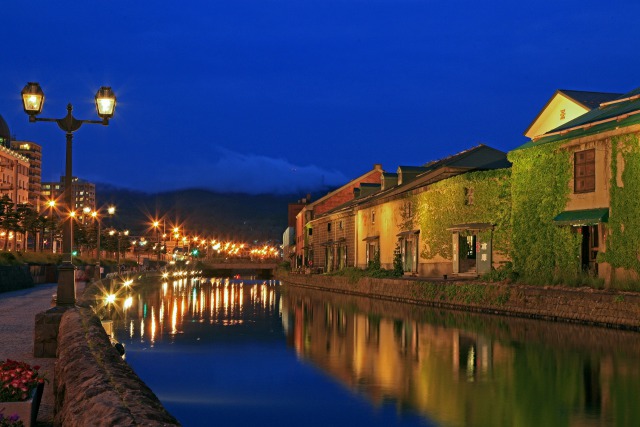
[
  {"x": 448, "y": 202},
  {"x": 623, "y": 240},
  {"x": 540, "y": 179}
]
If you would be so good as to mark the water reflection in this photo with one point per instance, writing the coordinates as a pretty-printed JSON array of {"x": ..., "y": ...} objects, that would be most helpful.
[
  {"x": 161, "y": 313},
  {"x": 459, "y": 369},
  {"x": 468, "y": 370}
]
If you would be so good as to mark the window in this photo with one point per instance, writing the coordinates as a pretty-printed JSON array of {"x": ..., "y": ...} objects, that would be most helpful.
[
  {"x": 329, "y": 227},
  {"x": 340, "y": 225},
  {"x": 584, "y": 171},
  {"x": 373, "y": 217}
]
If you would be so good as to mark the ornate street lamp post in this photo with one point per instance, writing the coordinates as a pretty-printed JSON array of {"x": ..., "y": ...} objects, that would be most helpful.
[
  {"x": 118, "y": 234},
  {"x": 33, "y": 101}
]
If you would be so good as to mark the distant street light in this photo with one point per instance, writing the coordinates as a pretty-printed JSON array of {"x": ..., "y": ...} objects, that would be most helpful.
[
  {"x": 156, "y": 225},
  {"x": 51, "y": 204},
  {"x": 118, "y": 234},
  {"x": 33, "y": 101}
]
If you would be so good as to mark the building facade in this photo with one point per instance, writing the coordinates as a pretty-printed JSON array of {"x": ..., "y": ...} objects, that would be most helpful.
[
  {"x": 84, "y": 192},
  {"x": 584, "y": 205},
  {"x": 305, "y": 248},
  {"x": 33, "y": 152},
  {"x": 425, "y": 216}
]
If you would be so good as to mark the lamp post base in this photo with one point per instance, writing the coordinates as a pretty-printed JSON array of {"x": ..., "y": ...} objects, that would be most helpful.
[
  {"x": 96, "y": 272},
  {"x": 66, "y": 295}
]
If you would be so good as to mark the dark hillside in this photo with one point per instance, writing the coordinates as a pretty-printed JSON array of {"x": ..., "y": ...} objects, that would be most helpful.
[{"x": 234, "y": 216}]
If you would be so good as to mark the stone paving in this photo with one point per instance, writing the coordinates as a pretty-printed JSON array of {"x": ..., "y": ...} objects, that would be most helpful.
[{"x": 17, "y": 323}]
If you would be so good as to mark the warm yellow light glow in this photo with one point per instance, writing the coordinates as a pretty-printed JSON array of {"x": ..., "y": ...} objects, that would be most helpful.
[
  {"x": 127, "y": 283},
  {"x": 110, "y": 299},
  {"x": 51, "y": 203},
  {"x": 111, "y": 210},
  {"x": 156, "y": 224},
  {"x": 128, "y": 303},
  {"x": 94, "y": 214},
  {"x": 32, "y": 102},
  {"x": 105, "y": 105}
]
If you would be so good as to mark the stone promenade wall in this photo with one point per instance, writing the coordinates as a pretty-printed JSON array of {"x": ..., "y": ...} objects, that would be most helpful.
[
  {"x": 579, "y": 305},
  {"x": 93, "y": 386},
  {"x": 15, "y": 277}
]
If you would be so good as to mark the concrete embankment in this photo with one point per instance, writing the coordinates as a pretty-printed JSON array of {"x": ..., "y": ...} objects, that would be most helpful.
[
  {"x": 93, "y": 385},
  {"x": 579, "y": 305}
]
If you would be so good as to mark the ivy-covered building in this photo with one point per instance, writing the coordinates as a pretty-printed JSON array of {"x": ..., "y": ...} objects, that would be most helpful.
[
  {"x": 575, "y": 195},
  {"x": 441, "y": 218}
]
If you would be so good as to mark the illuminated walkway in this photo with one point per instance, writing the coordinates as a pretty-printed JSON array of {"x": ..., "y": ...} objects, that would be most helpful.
[{"x": 17, "y": 321}]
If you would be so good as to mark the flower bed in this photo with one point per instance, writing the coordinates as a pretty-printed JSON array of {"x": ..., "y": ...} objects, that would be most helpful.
[{"x": 20, "y": 391}]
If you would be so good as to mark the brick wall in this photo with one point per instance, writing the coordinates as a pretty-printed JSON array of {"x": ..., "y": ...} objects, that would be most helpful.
[{"x": 345, "y": 194}]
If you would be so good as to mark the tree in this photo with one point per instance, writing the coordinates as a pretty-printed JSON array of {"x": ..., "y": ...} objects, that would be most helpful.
[
  {"x": 398, "y": 267},
  {"x": 6, "y": 206},
  {"x": 28, "y": 223}
]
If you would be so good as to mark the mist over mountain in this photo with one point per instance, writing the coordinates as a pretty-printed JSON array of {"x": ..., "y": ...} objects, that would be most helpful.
[{"x": 233, "y": 216}]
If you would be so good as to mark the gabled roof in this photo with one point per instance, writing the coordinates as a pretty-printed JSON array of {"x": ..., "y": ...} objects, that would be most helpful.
[
  {"x": 620, "y": 112},
  {"x": 584, "y": 100},
  {"x": 376, "y": 168},
  {"x": 589, "y": 100},
  {"x": 480, "y": 157}
]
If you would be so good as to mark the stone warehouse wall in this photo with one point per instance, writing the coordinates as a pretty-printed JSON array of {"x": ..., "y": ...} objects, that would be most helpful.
[
  {"x": 93, "y": 386},
  {"x": 582, "y": 305}
]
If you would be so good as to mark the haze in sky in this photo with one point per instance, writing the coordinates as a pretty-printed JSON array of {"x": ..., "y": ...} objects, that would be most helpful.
[{"x": 290, "y": 95}]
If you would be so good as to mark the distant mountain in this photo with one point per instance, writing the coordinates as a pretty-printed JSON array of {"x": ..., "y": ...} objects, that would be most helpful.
[{"x": 234, "y": 216}]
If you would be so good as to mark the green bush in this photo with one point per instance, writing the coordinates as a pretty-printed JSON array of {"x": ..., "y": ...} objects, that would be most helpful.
[{"x": 504, "y": 273}]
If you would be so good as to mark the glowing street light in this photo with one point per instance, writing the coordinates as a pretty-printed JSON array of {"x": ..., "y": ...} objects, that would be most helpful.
[{"x": 33, "y": 102}]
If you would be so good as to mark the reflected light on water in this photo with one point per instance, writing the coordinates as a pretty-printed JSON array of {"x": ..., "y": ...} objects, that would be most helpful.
[
  {"x": 174, "y": 317},
  {"x": 153, "y": 327},
  {"x": 215, "y": 302}
]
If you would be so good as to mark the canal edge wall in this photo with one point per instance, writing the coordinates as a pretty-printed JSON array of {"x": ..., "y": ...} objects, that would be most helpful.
[
  {"x": 93, "y": 385},
  {"x": 611, "y": 309}
]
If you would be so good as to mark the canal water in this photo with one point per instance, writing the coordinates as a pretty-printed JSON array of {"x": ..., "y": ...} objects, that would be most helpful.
[{"x": 243, "y": 353}]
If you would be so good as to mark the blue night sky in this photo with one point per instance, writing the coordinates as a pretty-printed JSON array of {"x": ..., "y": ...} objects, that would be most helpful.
[{"x": 284, "y": 95}]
